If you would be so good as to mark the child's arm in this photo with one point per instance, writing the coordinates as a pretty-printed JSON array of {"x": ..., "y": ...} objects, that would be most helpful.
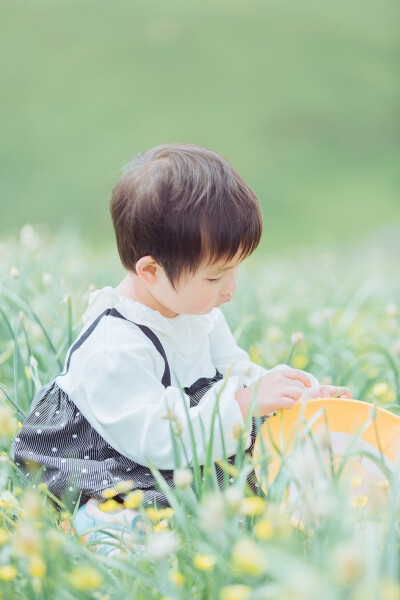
[{"x": 121, "y": 395}]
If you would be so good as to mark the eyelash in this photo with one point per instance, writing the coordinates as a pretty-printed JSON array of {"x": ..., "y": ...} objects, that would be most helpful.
[{"x": 214, "y": 280}]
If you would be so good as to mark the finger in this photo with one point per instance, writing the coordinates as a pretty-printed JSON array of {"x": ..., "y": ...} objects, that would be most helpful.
[
  {"x": 295, "y": 374},
  {"x": 327, "y": 390},
  {"x": 330, "y": 390},
  {"x": 287, "y": 402},
  {"x": 293, "y": 392}
]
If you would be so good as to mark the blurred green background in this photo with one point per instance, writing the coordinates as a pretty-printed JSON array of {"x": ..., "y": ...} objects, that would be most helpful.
[{"x": 301, "y": 97}]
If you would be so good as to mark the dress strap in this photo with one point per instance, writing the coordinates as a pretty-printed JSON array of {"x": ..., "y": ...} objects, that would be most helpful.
[{"x": 112, "y": 312}]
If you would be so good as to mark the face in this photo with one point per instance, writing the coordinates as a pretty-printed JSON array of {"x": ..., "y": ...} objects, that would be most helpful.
[{"x": 211, "y": 286}]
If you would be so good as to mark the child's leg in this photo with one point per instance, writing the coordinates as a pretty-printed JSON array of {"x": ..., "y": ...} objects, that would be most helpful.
[{"x": 126, "y": 524}]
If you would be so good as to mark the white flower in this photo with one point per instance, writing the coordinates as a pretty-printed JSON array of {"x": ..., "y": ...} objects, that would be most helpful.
[
  {"x": 317, "y": 318},
  {"x": 183, "y": 478},
  {"x": 212, "y": 513},
  {"x": 234, "y": 498},
  {"x": 47, "y": 278},
  {"x": 14, "y": 272},
  {"x": 8, "y": 500},
  {"x": 33, "y": 362},
  {"x": 161, "y": 545},
  {"x": 29, "y": 238},
  {"x": 296, "y": 338},
  {"x": 392, "y": 310}
]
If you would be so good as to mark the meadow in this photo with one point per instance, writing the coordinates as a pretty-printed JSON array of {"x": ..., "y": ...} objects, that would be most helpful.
[{"x": 229, "y": 544}]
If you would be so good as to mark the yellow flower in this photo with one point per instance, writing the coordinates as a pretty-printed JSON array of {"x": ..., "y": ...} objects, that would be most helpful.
[
  {"x": 385, "y": 394},
  {"x": 122, "y": 486},
  {"x": 8, "y": 572},
  {"x": 8, "y": 500},
  {"x": 235, "y": 592},
  {"x": 299, "y": 361},
  {"x": 204, "y": 562},
  {"x": 380, "y": 389},
  {"x": 37, "y": 566},
  {"x": 356, "y": 481},
  {"x": 389, "y": 590},
  {"x": 155, "y": 514},
  {"x": 4, "y": 537},
  {"x": 247, "y": 557},
  {"x": 32, "y": 505},
  {"x": 109, "y": 506},
  {"x": 108, "y": 493},
  {"x": 252, "y": 506},
  {"x": 177, "y": 577},
  {"x": 27, "y": 540},
  {"x": 238, "y": 431},
  {"x": 255, "y": 354},
  {"x": 347, "y": 560},
  {"x": 55, "y": 539},
  {"x": 274, "y": 335},
  {"x": 85, "y": 578},
  {"x": 389, "y": 398},
  {"x": 359, "y": 501},
  {"x": 161, "y": 526},
  {"x": 373, "y": 372},
  {"x": 264, "y": 529},
  {"x": 7, "y": 422},
  {"x": 134, "y": 499},
  {"x": 384, "y": 484}
]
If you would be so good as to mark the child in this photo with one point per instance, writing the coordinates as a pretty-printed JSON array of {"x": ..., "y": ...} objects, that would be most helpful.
[{"x": 184, "y": 221}]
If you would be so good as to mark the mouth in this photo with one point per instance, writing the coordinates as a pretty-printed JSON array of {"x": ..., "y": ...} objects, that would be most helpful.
[{"x": 223, "y": 301}]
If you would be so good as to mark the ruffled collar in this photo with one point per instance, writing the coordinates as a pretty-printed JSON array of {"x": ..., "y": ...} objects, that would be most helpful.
[{"x": 186, "y": 332}]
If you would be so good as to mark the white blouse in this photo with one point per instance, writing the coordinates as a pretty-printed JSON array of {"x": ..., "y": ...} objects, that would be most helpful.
[{"x": 114, "y": 378}]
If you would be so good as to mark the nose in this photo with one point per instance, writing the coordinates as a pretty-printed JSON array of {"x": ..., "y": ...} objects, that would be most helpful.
[{"x": 230, "y": 285}]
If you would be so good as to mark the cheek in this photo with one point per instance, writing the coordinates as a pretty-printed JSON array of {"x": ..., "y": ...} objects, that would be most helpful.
[{"x": 202, "y": 296}]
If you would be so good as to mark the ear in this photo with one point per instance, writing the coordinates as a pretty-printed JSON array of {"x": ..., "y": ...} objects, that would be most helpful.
[{"x": 148, "y": 270}]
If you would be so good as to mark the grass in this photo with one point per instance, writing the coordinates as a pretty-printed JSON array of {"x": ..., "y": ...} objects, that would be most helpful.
[{"x": 217, "y": 545}]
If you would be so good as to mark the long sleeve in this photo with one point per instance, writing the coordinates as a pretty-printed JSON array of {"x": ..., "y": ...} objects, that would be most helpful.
[{"x": 124, "y": 400}]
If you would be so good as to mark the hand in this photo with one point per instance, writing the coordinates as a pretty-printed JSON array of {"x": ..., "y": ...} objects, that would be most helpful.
[
  {"x": 325, "y": 391},
  {"x": 277, "y": 389}
]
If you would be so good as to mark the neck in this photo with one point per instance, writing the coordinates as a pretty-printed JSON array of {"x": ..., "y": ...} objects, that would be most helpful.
[{"x": 134, "y": 288}]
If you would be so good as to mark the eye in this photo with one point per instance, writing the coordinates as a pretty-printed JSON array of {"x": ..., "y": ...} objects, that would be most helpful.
[{"x": 214, "y": 280}]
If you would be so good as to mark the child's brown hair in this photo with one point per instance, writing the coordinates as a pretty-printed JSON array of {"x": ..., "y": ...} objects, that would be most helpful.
[{"x": 184, "y": 205}]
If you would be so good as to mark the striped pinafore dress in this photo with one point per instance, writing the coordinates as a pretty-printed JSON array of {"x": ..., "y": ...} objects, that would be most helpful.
[{"x": 58, "y": 446}]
